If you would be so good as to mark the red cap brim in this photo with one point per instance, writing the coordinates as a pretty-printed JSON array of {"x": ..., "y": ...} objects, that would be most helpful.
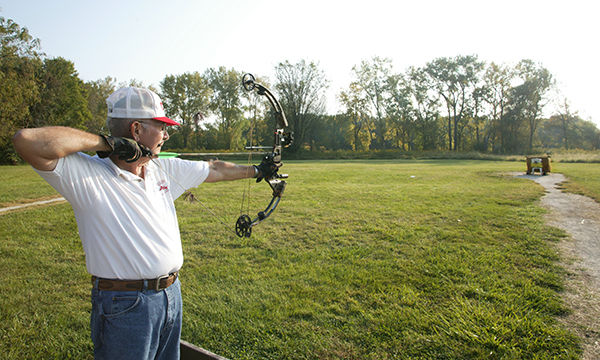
[{"x": 167, "y": 121}]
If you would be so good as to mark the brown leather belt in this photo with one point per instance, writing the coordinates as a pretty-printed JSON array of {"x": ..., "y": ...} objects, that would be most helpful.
[{"x": 157, "y": 284}]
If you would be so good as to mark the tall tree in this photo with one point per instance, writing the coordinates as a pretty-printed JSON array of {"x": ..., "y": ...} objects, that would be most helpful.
[
  {"x": 537, "y": 80},
  {"x": 226, "y": 104},
  {"x": 371, "y": 82},
  {"x": 356, "y": 106},
  {"x": 514, "y": 125},
  {"x": 332, "y": 132},
  {"x": 495, "y": 92},
  {"x": 97, "y": 92},
  {"x": 20, "y": 60},
  {"x": 301, "y": 88},
  {"x": 63, "y": 96},
  {"x": 455, "y": 80},
  {"x": 567, "y": 120},
  {"x": 425, "y": 106},
  {"x": 183, "y": 97},
  {"x": 400, "y": 113}
]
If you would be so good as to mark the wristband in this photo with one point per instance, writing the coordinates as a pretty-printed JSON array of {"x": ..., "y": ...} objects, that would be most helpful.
[{"x": 256, "y": 171}]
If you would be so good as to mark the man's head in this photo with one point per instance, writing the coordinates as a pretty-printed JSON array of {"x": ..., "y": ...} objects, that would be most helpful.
[{"x": 138, "y": 113}]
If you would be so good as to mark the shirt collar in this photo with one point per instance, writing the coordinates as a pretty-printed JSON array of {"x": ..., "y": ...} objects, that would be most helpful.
[{"x": 117, "y": 171}]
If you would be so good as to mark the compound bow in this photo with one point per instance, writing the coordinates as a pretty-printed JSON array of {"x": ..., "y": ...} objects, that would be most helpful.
[{"x": 283, "y": 138}]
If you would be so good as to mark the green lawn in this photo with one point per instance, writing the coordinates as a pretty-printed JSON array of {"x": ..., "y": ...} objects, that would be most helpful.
[
  {"x": 363, "y": 260},
  {"x": 583, "y": 179},
  {"x": 20, "y": 184}
]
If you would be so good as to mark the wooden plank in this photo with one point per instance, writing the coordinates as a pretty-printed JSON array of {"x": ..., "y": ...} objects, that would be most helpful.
[{"x": 193, "y": 352}]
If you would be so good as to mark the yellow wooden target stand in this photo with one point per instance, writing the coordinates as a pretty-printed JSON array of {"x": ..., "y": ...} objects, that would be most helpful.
[{"x": 539, "y": 164}]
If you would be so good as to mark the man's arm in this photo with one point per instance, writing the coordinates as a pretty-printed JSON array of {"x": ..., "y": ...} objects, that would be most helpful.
[
  {"x": 222, "y": 170},
  {"x": 42, "y": 147}
]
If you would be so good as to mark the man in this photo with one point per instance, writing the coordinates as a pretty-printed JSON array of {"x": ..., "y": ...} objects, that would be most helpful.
[{"x": 123, "y": 204}]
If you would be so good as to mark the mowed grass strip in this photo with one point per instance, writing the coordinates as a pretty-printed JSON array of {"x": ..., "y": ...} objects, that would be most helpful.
[
  {"x": 20, "y": 185},
  {"x": 363, "y": 260},
  {"x": 582, "y": 178}
]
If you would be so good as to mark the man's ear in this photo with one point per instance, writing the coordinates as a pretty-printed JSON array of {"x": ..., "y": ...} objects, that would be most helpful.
[{"x": 134, "y": 129}]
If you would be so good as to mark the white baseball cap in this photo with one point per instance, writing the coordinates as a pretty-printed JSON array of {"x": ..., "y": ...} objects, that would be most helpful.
[{"x": 137, "y": 103}]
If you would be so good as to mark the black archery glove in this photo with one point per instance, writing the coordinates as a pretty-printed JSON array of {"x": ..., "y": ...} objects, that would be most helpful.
[
  {"x": 126, "y": 149},
  {"x": 267, "y": 168}
]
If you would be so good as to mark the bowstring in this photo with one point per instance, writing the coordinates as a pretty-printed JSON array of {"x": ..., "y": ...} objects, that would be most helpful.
[{"x": 246, "y": 192}]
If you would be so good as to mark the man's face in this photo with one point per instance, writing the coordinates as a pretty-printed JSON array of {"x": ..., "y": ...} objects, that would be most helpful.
[{"x": 153, "y": 134}]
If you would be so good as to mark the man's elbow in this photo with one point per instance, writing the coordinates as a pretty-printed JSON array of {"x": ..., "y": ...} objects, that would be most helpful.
[
  {"x": 26, "y": 146},
  {"x": 213, "y": 176},
  {"x": 20, "y": 140},
  {"x": 214, "y": 171}
]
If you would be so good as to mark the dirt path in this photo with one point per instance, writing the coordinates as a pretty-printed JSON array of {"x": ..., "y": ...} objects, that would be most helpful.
[
  {"x": 36, "y": 203},
  {"x": 579, "y": 216}
]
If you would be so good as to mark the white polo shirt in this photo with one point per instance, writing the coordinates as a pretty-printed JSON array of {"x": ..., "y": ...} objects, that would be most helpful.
[{"x": 127, "y": 225}]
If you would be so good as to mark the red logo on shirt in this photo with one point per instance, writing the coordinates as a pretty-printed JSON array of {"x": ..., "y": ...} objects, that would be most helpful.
[{"x": 162, "y": 185}]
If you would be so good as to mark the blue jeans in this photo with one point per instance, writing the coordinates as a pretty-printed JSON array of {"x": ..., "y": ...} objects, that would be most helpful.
[{"x": 136, "y": 324}]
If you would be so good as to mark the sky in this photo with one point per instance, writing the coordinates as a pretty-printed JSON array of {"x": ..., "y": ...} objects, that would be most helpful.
[{"x": 149, "y": 39}]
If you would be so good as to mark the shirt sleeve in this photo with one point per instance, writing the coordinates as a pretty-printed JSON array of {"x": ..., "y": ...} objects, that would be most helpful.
[
  {"x": 184, "y": 174},
  {"x": 66, "y": 176}
]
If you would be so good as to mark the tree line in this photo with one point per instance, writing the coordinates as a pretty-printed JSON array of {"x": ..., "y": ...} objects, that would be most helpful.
[
  {"x": 452, "y": 103},
  {"x": 459, "y": 104}
]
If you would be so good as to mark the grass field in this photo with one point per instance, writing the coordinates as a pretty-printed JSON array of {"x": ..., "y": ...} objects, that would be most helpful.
[
  {"x": 20, "y": 184},
  {"x": 363, "y": 260},
  {"x": 583, "y": 179}
]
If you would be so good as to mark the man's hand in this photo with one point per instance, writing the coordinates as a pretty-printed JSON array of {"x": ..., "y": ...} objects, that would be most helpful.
[
  {"x": 267, "y": 168},
  {"x": 126, "y": 149}
]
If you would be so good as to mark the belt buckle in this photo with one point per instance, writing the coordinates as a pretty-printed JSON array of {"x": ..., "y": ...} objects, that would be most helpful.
[{"x": 157, "y": 287}]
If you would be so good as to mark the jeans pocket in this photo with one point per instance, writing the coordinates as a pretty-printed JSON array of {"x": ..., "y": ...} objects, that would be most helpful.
[{"x": 120, "y": 304}]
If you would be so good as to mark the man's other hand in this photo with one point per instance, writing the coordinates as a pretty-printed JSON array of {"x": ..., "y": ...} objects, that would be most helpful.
[
  {"x": 126, "y": 149},
  {"x": 267, "y": 168}
]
